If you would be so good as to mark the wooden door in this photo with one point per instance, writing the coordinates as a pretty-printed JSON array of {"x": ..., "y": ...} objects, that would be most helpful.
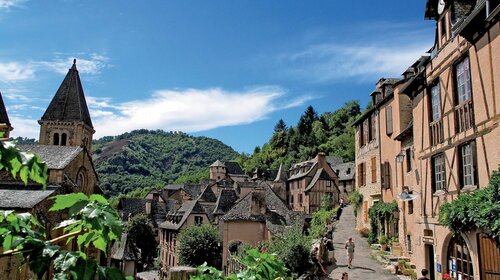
[{"x": 489, "y": 260}]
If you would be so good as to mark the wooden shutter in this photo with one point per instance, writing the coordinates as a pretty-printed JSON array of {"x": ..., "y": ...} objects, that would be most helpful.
[
  {"x": 359, "y": 175},
  {"x": 365, "y": 131},
  {"x": 374, "y": 169},
  {"x": 365, "y": 211},
  {"x": 363, "y": 169},
  {"x": 388, "y": 120}
]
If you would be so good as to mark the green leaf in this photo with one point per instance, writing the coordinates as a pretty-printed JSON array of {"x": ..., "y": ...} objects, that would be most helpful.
[
  {"x": 66, "y": 223},
  {"x": 65, "y": 260},
  {"x": 24, "y": 174},
  {"x": 99, "y": 198},
  {"x": 66, "y": 201},
  {"x": 85, "y": 269},
  {"x": 100, "y": 244}
]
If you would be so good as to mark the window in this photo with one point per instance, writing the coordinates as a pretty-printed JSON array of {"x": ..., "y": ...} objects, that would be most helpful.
[
  {"x": 408, "y": 155},
  {"x": 361, "y": 134},
  {"x": 410, "y": 204},
  {"x": 291, "y": 199},
  {"x": 56, "y": 139},
  {"x": 300, "y": 199},
  {"x": 386, "y": 174},
  {"x": 80, "y": 180},
  {"x": 361, "y": 174},
  {"x": 372, "y": 128},
  {"x": 436, "y": 102},
  {"x": 348, "y": 171},
  {"x": 462, "y": 74},
  {"x": 467, "y": 161},
  {"x": 409, "y": 246},
  {"x": 63, "y": 139},
  {"x": 366, "y": 125},
  {"x": 198, "y": 220},
  {"x": 374, "y": 169},
  {"x": 459, "y": 261},
  {"x": 388, "y": 120},
  {"x": 439, "y": 179}
]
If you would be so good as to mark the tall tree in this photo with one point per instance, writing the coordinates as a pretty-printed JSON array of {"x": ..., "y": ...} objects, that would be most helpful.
[{"x": 280, "y": 126}]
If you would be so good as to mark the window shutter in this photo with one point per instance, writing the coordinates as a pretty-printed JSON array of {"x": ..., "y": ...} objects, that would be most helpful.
[
  {"x": 364, "y": 173},
  {"x": 388, "y": 120},
  {"x": 474, "y": 163},
  {"x": 374, "y": 169}
]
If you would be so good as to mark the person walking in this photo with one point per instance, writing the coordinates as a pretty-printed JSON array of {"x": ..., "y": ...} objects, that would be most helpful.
[
  {"x": 349, "y": 247},
  {"x": 330, "y": 249},
  {"x": 424, "y": 272}
]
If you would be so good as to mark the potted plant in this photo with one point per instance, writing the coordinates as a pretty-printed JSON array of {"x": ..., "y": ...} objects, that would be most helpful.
[{"x": 383, "y": 242}]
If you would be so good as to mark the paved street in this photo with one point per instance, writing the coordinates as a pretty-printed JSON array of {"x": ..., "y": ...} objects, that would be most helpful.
[{"x": 364, "y": 267}]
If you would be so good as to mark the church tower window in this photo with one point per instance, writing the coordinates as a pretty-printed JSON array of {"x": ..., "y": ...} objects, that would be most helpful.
[
  {"x": 56, "y": 139},
  {"x": 63, "y": 139}
]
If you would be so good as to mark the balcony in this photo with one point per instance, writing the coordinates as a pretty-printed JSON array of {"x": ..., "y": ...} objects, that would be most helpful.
[
  {"x": 436, "y": 131},
  {"x": 464, "y": 116}
]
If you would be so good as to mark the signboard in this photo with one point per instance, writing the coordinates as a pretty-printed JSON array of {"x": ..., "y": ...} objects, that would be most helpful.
[
  {"x": 439, "y": 268},
  {"x": 428, "y": 240}
]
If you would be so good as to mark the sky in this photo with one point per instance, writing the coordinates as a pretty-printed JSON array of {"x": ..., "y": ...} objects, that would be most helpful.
[{"x": 224, "y": 69}]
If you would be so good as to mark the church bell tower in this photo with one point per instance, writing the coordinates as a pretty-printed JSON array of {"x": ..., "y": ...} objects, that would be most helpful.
[{"x": 66, "y": 122}]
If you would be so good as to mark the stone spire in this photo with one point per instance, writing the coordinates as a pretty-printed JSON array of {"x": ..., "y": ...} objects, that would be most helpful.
[
  {"x": 69, "y": 102},
  {"x": 66, "y": 122},
  {"x": 5, "y": 126}
]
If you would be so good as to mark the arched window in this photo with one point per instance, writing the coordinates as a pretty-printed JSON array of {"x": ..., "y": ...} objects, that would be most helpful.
[
  {"x": 80, "y": 179},
  {"x": 63, "y": 139},
  {"x": 56, "y": 139},
  {"x": 459, "y": 260}
]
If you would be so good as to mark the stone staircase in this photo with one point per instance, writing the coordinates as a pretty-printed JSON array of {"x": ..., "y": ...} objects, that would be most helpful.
[{"x": 393, "y": 261}]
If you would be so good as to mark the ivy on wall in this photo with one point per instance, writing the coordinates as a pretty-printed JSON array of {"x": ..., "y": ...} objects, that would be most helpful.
[
  {"x": 379, "y": 213},
  {"x": 477, "y": 210}
]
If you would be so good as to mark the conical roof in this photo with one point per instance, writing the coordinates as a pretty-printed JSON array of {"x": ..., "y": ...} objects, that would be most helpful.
[
  {"x": 69, "y": 102},
  {"x": 4, "y": 118},
  {"x": 217, "y": 163}
]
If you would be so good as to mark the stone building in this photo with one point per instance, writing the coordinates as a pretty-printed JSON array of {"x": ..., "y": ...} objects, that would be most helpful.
[
  {"x": 65, "y": 135},
  {"x": 346, "y": 172},
  {"x": 309, "y": 181}
]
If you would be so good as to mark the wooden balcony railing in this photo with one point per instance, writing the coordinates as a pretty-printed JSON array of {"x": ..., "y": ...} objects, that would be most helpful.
[
  {"x": 464, "y": 116},
  {"x": 436, "y": 131}
]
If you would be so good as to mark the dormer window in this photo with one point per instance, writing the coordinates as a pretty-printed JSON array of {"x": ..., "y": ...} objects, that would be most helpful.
[{"x": 348, "y": 171}]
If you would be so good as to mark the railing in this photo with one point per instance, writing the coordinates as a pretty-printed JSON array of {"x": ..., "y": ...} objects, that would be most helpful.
[
  {"x": 464, "y": 116},
  {"x": 436, "y": 131},
  {"x": 233, "y": 265}
]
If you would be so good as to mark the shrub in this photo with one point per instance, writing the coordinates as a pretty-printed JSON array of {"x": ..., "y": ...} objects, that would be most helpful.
[
  {"x": 199, "y": 244},
  {"x": 364, "y": 232},
  {"x": 293, "y": 249},
  {"x": 356, "y": 198},
  {"x": 479, "y": 209}
]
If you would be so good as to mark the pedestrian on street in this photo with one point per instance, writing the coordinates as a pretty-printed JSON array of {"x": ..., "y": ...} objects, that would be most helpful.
[
  {"x": 318, "y": 268},
  {"x": 424, "y": 272},
  {"x": 330, "y": 248},
  {"x": 349, "y": 247}
]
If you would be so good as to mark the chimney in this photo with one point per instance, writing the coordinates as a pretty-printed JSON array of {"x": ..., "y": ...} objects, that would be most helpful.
[
  {"x": 148, "y": 207},
  {"x": 321, "y": 157}
]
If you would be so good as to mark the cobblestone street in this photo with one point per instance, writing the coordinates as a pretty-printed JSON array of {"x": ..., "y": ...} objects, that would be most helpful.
[{"x": 364, "y": 266}]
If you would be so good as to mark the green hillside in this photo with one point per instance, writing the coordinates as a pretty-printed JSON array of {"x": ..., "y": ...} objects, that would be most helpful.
[{"x": 144, "y": 158}]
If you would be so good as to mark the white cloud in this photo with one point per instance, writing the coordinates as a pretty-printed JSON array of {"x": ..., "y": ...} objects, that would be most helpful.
[
  {"x": 189, "y": 110},
  {"x": 24, "y": 127},
  {"x": 15, "y": 71},
  {"x": 91, "y": 64},
  {"x": 7, "y": 4},
  {"x": 333, "y": 62}
]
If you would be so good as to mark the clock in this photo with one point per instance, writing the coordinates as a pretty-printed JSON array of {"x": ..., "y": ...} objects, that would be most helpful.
[{"x": 441, "y": 5}]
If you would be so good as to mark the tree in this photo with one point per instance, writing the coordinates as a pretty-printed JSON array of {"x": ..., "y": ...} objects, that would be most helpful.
[
  {"x": 91, "y": 221},
  {"x": 199, "y": 244},
  {"x": 280, "y": 126},
  {"x": 293, "y": 249},
  {"x": 141, "y": 234}
]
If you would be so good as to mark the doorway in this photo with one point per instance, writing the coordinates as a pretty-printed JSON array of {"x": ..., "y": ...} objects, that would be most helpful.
[{"x": 430, "y": 261}]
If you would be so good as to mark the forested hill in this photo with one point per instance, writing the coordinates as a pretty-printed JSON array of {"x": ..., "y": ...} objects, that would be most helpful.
[
  {"x": 330, "y": 132},
  {"x": 144, "y": 158}
]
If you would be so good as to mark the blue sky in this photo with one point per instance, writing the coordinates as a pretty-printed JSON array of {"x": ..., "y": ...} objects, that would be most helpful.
[{"x": 224, "y": 69}]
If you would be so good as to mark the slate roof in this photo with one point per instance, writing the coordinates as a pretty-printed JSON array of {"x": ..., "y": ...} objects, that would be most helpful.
[
  {"x": 207, "y": 195},
  {"x": 217, "y": 163},
  {"x": 4, "y": 117},
  {"x": 406, "y": 132},
  {"x": 242, "y": 210},
  {"x": 281, "y": 175},
  {"x": 343, "y": 168},
  {"x": 69, "y": 102},
  {"x": 309, "y": 166},
  {"x": 334, "y": 160},
  {"x": 187, "y": 208},
  {"x": 56, "y": 157},
  {"x": 132, "y": 206},
  {"x": 193, "y": 190},
  {"x": 234, "y": 168},
  {"x": 264, "y": 174},
  {"x": 225, "y": 201},
  {"x": 125, "y": 250},
  {"x": 21, "y": 197}
]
